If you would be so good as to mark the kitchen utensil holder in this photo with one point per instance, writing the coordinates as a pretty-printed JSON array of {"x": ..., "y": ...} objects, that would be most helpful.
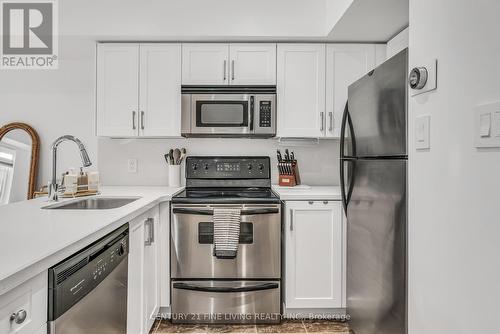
[
  {"x": 174, "y": 175},
  {"x": 291, "y": 179}
]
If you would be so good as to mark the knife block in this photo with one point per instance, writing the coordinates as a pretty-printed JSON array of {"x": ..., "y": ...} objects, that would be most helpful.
[{"x": 290, "y": 180}]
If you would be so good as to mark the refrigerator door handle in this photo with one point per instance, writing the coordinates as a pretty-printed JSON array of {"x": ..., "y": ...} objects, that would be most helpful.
[
  {"x": 346, "y": 120},
  {"x": 346, "y": 195}
]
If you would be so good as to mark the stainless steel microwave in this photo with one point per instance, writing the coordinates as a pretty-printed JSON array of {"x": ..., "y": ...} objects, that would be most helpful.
[{"x": 228, "y": 111}]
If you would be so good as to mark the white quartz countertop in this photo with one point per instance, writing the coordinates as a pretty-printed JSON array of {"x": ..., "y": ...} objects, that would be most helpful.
[
  {"x": 33, "y": 239},
  {"x": 304, "y": 193}
]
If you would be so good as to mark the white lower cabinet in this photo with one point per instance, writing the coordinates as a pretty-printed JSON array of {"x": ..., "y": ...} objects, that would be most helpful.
[
  {"x": 314, "y": 261},
  {"x": 23, "y": 310},
  {"x": 143, "y": 268}
]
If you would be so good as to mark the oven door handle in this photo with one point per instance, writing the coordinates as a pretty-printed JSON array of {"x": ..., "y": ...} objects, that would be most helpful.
[
  {"x": 210, "y": 212},
  {"x": 195, "y": 287}
]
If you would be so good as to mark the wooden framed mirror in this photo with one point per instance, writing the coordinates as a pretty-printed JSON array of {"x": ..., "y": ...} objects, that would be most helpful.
[{"x": 19, "y": 151}]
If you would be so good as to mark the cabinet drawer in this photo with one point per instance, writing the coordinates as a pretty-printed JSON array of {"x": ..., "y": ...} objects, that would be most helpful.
[{"x": 24, "y": 309}]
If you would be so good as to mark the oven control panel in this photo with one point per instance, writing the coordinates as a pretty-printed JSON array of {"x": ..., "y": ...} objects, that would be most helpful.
[{"x": 228, "y": 168}]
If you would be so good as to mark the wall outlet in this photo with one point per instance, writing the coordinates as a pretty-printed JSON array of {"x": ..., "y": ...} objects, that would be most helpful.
[{"x": 132, "y": 165}]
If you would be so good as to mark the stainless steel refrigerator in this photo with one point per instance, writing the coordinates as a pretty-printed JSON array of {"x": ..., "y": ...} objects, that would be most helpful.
[{"x": 373, "y": 168}]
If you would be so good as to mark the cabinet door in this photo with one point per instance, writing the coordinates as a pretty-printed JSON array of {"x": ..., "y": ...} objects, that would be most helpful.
[
  {"x": 301, "y": 90},
  {"x": 314, "y": 256},
  {"x": 117, "y": 89},
  {"x": 164, "y": 257},
  {"x": 252, "y": 64},
  {"x": 205, "y": 64},
  {"x": 160, "y": 90},
  {"x": 151, "y": 269},
  {"x": 345, "y": 63},
  {"x": 135, "y": 297}
]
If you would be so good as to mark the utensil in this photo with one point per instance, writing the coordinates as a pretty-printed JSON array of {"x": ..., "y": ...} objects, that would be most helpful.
[
  {"x": 177, "y": 156},
  {"x": 183, "y": 155},
  {"x": 292, "y": 156},
  {"x": 167, "y": 158},
  {"x": 287, "y": 155},
  {"x": 171, "y": 156},
  {"x": 278, "y": 155}
]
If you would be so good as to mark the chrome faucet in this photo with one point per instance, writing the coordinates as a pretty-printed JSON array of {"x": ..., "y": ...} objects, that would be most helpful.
[{"x": 53, "y": 187}]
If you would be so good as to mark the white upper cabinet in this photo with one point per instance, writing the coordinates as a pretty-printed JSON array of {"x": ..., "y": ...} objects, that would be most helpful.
[
  {"x": 160, "y": 90},
  {"x": 228, "y": 64},
  {"x": 205, "y": 64},
  {"x": 301, "y": 90},
  {"x": 345, "y": 63},
  {"x": 117, "y": 89},
  {"x": 139, "y": 90},
  {"x": 252, "y": 64},
  {"x": 314, "y": 254}
]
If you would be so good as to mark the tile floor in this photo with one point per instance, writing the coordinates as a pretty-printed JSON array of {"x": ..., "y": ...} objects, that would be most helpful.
[{"x": 289, "y": 326}]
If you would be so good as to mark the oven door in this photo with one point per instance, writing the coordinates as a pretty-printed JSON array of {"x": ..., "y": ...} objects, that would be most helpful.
[
  {"x": 259, "y": 250},
  {"x": 222, "y": 114}
]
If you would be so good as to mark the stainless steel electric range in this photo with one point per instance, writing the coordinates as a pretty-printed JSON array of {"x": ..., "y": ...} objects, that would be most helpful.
[{"x": 244, "y": 289}]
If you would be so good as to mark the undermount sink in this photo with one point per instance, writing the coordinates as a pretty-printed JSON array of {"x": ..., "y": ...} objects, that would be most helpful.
[{"x": 93, "y": 203}]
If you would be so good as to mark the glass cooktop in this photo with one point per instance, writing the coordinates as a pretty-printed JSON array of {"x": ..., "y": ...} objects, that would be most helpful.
[{"x": 226, "y": 195}]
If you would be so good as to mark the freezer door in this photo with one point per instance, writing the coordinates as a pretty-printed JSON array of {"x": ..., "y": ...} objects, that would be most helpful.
[
  {"x": 376, "y": 248},
  {"x": 377, "y": 105}
]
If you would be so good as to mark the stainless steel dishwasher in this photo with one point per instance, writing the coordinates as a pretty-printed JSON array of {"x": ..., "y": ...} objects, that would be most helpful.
[{"x": 88, "y": 290}]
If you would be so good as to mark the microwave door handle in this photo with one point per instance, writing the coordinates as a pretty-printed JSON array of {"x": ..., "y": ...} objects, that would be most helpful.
[{"x": 251, "y": 112}]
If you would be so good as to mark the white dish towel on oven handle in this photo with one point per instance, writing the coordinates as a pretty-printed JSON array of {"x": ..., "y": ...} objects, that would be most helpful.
[{"x": 226, "y": 232}]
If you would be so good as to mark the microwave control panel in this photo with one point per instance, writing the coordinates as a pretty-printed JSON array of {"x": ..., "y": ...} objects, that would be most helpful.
[{"x": 265, "y": 114}]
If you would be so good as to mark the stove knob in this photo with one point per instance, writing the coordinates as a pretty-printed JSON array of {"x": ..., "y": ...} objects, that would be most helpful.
[
  {"x": 261, "y": 166},
  {"x": 206, "y": 166},
  {"x": 195, "y": 166},
  {"x": 249, "y": 166}
]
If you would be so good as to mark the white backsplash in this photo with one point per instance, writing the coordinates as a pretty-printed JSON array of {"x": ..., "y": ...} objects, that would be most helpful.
[{"x": 318, "y": 163}]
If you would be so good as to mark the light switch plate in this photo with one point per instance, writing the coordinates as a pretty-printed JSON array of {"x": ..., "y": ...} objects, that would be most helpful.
[
  {"x": 422, "y": 132},
  {"x": 431, "y": 66},
  {"x": 487, "y": 125}
]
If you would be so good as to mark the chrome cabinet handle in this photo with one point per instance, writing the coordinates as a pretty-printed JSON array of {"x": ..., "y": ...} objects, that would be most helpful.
[
  {"x": 152, "y": 230},
  {"x": 18, "y": 317},
  {"x": 232, "y": 70},
  {"x": 311, "y": 202},
  {"x": 150, "y": 235},
  {"x": 142, "y": 120},
  {"x": 133, "y": 120},
  {"x": 322, "y": 115},
  {"x": 330, "y": 114},
  {"x": 325, "y": 202},
  {"x": 225, "y": 64},
  {"x": 291, "y": 220}
]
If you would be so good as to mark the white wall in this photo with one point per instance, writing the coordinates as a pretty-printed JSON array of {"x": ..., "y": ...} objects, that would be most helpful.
[
  {"x": 454, "y": 223},
  {"x": 319, "y": 164},
  {"x": 198, "y": 19}
]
